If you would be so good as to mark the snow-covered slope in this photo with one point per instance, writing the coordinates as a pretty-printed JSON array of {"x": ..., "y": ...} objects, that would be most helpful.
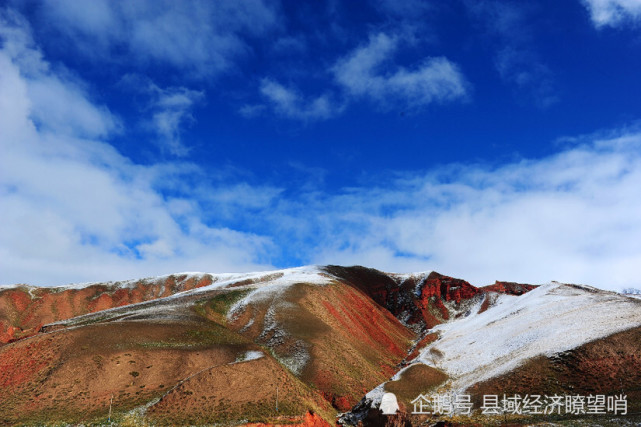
[
  {"x": 262, "y": 285},
  {"x": 307, "y": 274},
  {"x": 265, "y": 283},
  {"x": 550, "y": 319}
]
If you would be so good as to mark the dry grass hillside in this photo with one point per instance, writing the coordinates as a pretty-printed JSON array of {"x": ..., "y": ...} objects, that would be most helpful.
[
  {"x": 25, "y": 309},
  {"x": 186, "y": 360},
  {"x": 610, "y": 366},
  {"x": 292, "y": 347}
]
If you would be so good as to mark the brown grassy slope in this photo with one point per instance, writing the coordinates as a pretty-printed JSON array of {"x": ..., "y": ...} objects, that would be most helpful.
[
  {"x": 348, "y": 345},
  {"x": 415, "y": 380},
  {"x": 240, "y": 391},
  {"x": 22, "y": 313},
  {"x": 349, "y": 342},
  {"x": 610, "y": 365},
  {"x": 70, "y": 375}
]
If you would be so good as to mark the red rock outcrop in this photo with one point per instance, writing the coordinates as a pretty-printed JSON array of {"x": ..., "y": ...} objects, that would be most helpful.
[
  {"x": 510, "y": 288},
  {"x": 415, "y": 299},
  {"x": 438, "y": 288},
  {"x": 329, "y": 343}
]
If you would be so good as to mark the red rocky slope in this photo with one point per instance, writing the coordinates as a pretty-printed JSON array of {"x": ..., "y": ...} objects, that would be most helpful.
[
  {"x": 422, "y": 299},
  {"x": 320, "y": 344},
  {"x": 25, "y": 309},
  {"x": 418, "y": 300},
  {"x": 510, "y": 288},
  {"x": 329, "y": 334}
]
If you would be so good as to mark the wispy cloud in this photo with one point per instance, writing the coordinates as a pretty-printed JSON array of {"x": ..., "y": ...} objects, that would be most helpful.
[
  {"x": 73, "y": 208},
  {"x": 365, "y": 73},
  {"x": 289, "y": 103},
  {"x": 62, "y": 105},
  {"x": 571, "y": 217},
  {"x": 167, "y": 111},
  {"x": 171, "y": 113},
  {"x": 290, "y": 45},
  {"x": 613, "y": 13},
  {"x": 516, "y": 59},
  {"x": 250, "y": 111},
  {"x": 523, "y": 70},
  {"x": 201, "y": 37}
]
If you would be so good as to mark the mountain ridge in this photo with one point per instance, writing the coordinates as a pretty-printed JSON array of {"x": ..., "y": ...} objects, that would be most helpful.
[
  {"x": 335, "y": 337},
  {"x": 25, "y": 309}
]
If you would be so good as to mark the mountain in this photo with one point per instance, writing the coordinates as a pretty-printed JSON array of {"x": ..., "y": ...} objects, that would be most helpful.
[
  {"x": 25, "y": 309},
  {"x": 556, "y": 339},
  {"x": 314, "y": 342}
]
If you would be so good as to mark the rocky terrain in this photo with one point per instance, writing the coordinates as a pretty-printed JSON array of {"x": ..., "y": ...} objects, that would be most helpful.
[{"x": 302, "y": 346}]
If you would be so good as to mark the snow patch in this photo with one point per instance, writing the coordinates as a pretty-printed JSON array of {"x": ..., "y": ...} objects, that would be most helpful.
[
  {"x": 465, "y": 308},
  {"x": 249, "y": 355},
  {"x": 247, "y": 326},
  {"x": 271, "y": 289},
  {"x": 547, "y": 320},
  {"x": 297, "y": 361},
  {"x": 263, "y": 285},
  {"x": 253, "y": 355},
  {"x": 419, "y": 278},
  {"x": 375, "y": 395},
  {"x": 274, "y": 335}
]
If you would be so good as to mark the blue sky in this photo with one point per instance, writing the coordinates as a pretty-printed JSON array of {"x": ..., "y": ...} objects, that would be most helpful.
[{"x": 483, "y": 139}]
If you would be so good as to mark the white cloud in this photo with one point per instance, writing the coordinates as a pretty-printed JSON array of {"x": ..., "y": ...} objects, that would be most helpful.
[
  {"x": 73, "y": 208},
  {"x": 572, "y": 217},
  {"x": 63, "y": 107},
  {"x": 363, "y": 74},
  {"x": 200, "y": 36},
  {"x": 171, "y": 113},
  {"x": 522, "y": 69},
  {"x": 613, "y": 12},
  {"x": 290, "y": 104},
  {"x": 250, "y": 111},
  {"x": 516, "y": 60},
  {"x": 168, "y": 111},
  {"x": 58, "y": 104}
]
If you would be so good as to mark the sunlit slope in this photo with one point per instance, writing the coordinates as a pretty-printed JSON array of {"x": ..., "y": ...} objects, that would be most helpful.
[
  {"x": 553, "y": 339},
  {"x": 610, "y": 366},
  {"x": 24, "y": 309},
  {"x": 545, "y": 321},
  {"x": 219, "y": 353},
  {"x": 199, "y": 348}
]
